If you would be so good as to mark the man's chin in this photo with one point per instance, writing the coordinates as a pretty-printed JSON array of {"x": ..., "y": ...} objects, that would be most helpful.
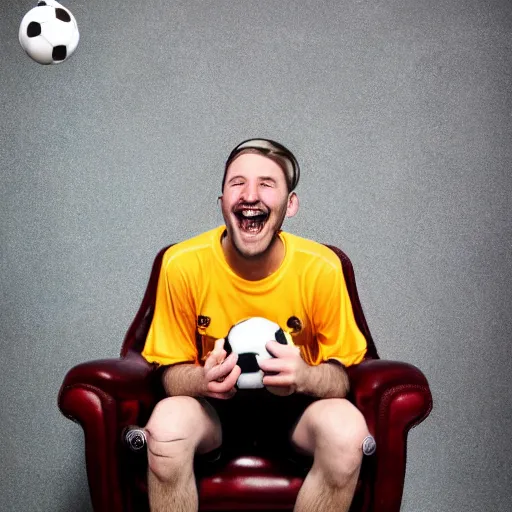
[
  {"x": 251, "y": 251},
  {"x": 253, "y": 246}
]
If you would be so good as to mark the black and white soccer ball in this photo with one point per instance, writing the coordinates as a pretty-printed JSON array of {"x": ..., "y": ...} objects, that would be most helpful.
[
  {"x": 248, "y": 339},
  {"x": 49, "y": 33}
]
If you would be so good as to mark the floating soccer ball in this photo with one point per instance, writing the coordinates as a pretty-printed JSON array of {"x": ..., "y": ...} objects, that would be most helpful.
[{"x": 49, "y": 33}]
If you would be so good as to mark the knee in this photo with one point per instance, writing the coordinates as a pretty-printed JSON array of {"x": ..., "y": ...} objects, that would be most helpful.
[
  {"x": 171, "y": 436},
  {"x": 339, "y": 430}
]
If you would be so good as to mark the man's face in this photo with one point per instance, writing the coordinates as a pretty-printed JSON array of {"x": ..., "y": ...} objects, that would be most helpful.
[{"x": 254, "y": 203}]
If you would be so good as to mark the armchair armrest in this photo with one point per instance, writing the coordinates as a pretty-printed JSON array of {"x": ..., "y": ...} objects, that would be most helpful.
[
  {"x": 131, "y": 377},
  {"x": 376, "y": 383},
  {"x": 393, "y": 397},
  {"x": 104, "y": 396}
]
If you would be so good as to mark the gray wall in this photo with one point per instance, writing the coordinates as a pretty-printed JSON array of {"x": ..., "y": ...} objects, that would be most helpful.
[{"x": 400, "y": 113}]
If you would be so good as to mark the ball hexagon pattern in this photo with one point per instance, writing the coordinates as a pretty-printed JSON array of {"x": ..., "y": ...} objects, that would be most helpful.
[{"x": 49, "y": 33}]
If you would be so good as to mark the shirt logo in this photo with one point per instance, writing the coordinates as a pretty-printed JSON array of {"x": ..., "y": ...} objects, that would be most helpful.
[
  {"x": 294, "y": 324},
  {"x": 203, "y": 321}
]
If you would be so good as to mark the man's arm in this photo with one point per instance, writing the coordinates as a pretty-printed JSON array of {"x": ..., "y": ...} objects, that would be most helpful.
[
  {"x": 326, "y": 380},
  {"x": 184, "y": 380},
  {"x": 288, "y": 370},
  {"x": 217, "y": 378}
]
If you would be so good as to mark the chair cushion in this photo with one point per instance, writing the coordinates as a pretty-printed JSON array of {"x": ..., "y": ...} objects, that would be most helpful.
[
  {"x": 243, "y": 483},
  {"x": 251, "y": 483}
]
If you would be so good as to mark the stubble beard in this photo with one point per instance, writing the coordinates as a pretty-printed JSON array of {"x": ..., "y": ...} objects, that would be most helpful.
[{"x": 259, "y": 254}]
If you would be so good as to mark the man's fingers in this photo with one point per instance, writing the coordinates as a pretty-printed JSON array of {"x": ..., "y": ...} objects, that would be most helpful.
[
  {"x": 277, "y": 380},
  {"x": 280, "y": 350},
  {"x": 216, "y": 356},
  {"x": 214, "y": 359},
  {"x": 222, "y": 396},
  {"x": 221, "y": 370},
  {"x": 227, "y": 384},
  {"x": 273, "y": 365},
  {"x": 219, "y": 345}
]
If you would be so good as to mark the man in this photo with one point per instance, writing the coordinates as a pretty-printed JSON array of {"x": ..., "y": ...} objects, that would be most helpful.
[{"x": 247, "y": 268}]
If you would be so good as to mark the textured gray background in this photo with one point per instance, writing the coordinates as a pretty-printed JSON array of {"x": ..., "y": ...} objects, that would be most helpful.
[{"x": 398, "y": 110}]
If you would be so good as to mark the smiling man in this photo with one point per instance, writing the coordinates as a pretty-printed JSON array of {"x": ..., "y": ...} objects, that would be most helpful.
[
  {"x": 251, "y": 268},
  {"x": 257, "y": 196}
]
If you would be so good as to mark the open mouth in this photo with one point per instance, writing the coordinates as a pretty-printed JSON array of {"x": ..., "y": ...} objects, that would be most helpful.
[{"x": 251, "y": 220}]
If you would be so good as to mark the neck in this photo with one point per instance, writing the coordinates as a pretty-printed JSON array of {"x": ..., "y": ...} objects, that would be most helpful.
[{"x": 255, "y": 268}]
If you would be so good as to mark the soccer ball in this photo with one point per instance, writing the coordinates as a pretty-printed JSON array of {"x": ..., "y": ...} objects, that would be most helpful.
[
  {"x": 49, "y": 33},
  {"x": 248, "y": 339}
]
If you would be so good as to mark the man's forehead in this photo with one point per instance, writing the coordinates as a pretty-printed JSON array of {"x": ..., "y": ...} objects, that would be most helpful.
[{"x": 255, "y": 163}]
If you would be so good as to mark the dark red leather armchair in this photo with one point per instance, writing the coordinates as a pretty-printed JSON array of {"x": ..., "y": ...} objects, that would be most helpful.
[{"x": 105, "y": 396}]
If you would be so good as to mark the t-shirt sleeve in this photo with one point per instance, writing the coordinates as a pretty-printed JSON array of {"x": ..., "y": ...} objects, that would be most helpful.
[
  {"x": 171, "y": 337},
  {"x": 338, "y": 335}
]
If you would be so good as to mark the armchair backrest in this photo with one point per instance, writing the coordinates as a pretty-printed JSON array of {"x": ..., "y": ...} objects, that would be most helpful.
[
  {"x": 350, "y": 280},
  {"x": 136, "y": 335}
]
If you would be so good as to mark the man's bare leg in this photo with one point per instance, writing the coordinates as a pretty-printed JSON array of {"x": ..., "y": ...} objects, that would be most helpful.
[
  {"x": 331, "y": 430},
  {"x": 179, "y": 428}
]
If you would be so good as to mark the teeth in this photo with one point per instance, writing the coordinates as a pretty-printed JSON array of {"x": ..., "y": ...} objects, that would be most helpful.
[
  {"x": 252, "y": 226},
  {"x": 251, "y": 213}
]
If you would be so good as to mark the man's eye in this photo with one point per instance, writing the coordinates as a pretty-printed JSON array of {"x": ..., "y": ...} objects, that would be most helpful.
[{"x": 266, "y": 184}]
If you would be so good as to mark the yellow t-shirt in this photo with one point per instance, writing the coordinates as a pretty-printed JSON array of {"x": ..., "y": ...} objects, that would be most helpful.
[{"x": 199, "y": 298}]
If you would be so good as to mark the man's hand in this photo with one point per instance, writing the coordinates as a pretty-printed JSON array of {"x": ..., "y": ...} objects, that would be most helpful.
[
  {"x": 287, "y": 372},
  {"x": 291, "y": 374},
  {"x": 220, "y": 372}
]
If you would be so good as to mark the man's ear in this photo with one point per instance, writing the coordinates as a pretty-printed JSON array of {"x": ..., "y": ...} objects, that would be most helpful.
[{"x": 293, "y": 205}]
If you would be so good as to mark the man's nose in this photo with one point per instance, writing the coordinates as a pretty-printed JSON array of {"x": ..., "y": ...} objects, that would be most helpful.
[{"x": 250, "y": 192}]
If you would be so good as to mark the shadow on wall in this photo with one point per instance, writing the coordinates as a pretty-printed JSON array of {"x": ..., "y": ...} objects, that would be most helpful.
[
  {"x": 76, "y": 497},
  {"x": 75, "y": 507}
]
